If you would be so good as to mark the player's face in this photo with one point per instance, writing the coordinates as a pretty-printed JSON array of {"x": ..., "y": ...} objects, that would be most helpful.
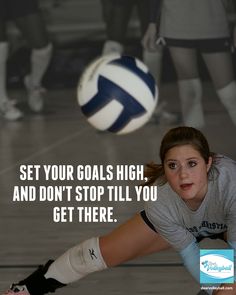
[{"x": 186, "y": 172}]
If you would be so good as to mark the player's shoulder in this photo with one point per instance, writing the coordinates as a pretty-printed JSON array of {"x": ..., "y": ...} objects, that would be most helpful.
[
  {"x": 165, "y": 198},
  {"x": 225, "y": 174},
  {"x": 225, "y": 165},
  {"x": 162, "y": 209}
]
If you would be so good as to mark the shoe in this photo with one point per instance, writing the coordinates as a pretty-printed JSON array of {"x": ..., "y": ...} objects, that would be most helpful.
[
  {"x": 9, "y": 111},
  {"x": 17, "y": 290},
  {"x": 35, "y": 96},
  {"x": 36, "y": 283}
]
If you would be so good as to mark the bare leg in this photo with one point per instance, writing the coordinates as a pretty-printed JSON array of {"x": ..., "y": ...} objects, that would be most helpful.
[
  {"x": 7, "y": 108},
  {"x": 190, "y": 88},
  {"x": 3, "y": 60},
  {"x": 220, "y": 67},
  {"x": 131, "y": 240},
  {"x": 34, "y": 31},
  {"x": 185, "y": 62},
  {"x": 3, "y": 36},
  {"x": 221, "y": 70}
]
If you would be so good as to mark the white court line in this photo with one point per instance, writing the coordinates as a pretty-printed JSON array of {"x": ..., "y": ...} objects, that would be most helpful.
[{"x": 43, "y": 151}]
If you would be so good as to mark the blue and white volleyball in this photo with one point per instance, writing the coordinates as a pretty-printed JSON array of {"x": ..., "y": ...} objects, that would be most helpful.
[{"x": 117, "y": 93}]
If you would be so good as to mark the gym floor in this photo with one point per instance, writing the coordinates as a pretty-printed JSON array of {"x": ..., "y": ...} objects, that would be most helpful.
[{"x": 61, "y": 135}]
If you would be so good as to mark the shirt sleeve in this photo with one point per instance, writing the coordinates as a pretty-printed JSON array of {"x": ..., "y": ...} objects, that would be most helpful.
[
  {"x": 168, "y": 226},
  {"x": 154, "y": 9}
]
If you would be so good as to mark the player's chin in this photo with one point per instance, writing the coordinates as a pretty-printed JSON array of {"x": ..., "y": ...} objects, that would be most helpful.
[{"x": 186, "y": 196}]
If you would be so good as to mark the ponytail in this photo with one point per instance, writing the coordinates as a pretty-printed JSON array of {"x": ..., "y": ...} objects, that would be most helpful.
[{"x": 154, "y": 173}]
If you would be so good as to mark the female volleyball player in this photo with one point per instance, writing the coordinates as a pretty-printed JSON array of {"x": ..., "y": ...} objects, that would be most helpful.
[
  {"x": 196, "y": 191},
  {"x": 117, "y": 15},
  {"x": 26, "y": 15},
  {"x": 187, "y": 28}
]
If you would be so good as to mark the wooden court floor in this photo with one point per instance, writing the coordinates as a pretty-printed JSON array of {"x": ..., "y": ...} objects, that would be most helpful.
[{"x": 61, "y": 136}]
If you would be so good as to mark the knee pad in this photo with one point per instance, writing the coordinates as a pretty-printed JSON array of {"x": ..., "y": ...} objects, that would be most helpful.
[
  {"x": 227, "y": 97},
  {"x": 190, "y": 91},
  {"x": 77, "y": 262}
]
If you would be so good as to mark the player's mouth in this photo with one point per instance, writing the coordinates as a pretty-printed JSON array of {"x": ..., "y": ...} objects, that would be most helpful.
[{"x": 186, "y": 186}]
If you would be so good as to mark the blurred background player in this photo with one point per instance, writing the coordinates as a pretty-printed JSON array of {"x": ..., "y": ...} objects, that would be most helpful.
[
  {"x": 117, "y": 15},
  {"x": 192, "y": 27},
  {"x": 26, "y": 15}
]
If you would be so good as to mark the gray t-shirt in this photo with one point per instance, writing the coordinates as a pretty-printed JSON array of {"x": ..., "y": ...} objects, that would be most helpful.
[
  {"x": 193, "y": 19},
  {"x": 180, "y": 225}
]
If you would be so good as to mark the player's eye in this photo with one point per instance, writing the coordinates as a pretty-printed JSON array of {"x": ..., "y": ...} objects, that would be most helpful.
[
  {"x": 172, "y": 165},
  {"x": 192, "y": 163}
]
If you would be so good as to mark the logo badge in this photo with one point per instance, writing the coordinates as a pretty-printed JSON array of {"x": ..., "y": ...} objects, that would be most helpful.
[{"x": 216, "y": 266}]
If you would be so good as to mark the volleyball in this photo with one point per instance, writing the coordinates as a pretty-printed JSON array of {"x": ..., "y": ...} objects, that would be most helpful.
[{"x": 117, "y": 93}]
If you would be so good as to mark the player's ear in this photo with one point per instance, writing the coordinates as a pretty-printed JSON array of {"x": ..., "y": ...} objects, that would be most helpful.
[{"x": 210, "y": 160}]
